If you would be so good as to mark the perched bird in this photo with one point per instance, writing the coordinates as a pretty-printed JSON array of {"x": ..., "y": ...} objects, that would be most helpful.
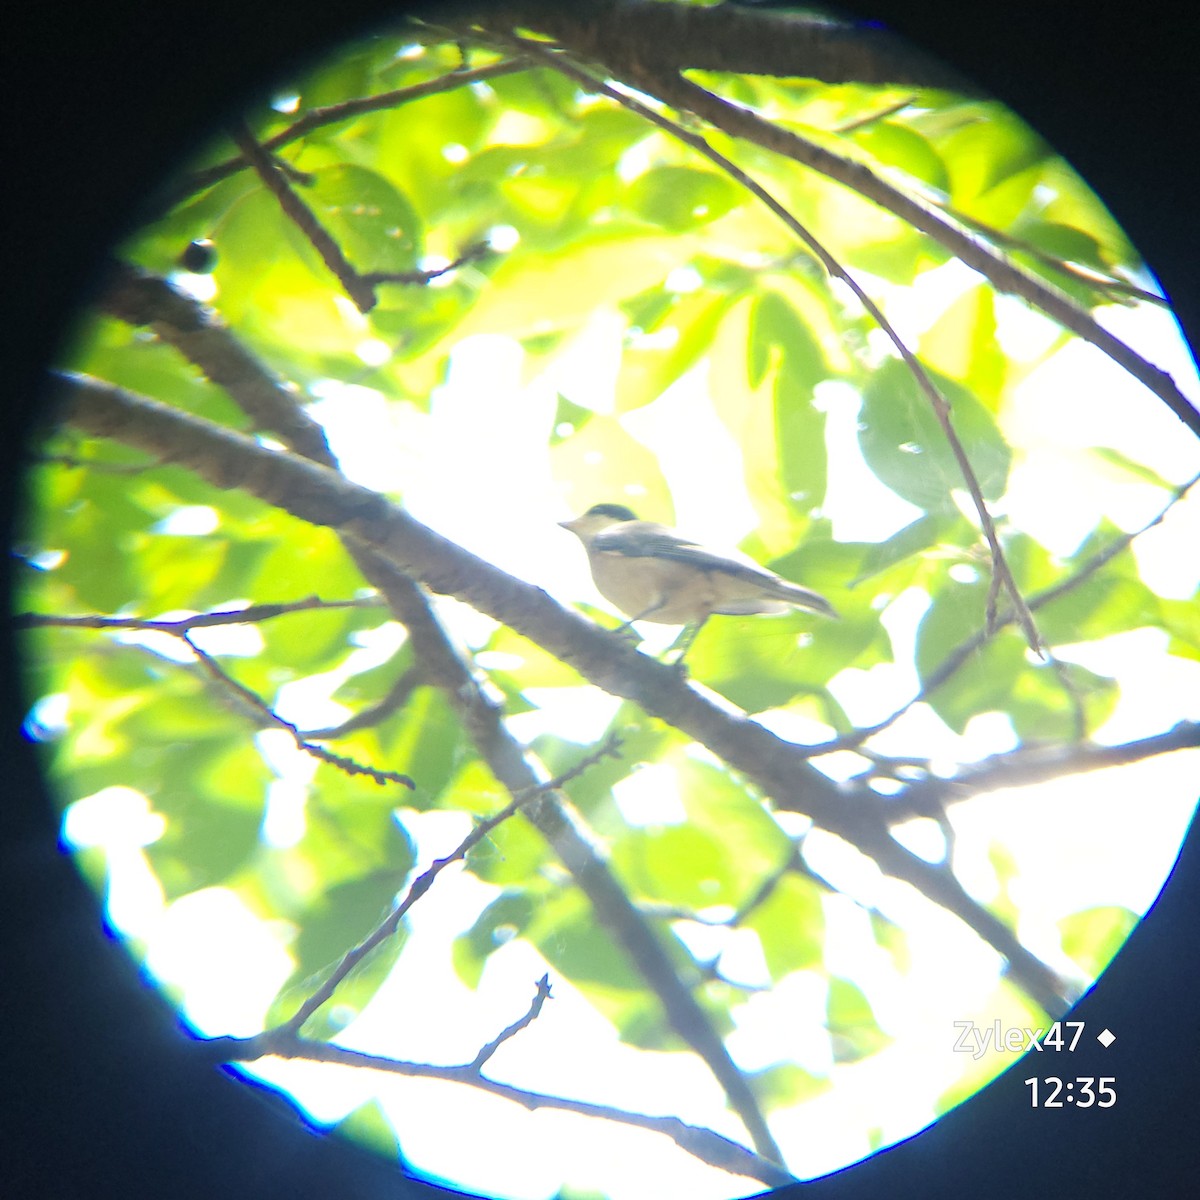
[{"x": 651, "y": 573}]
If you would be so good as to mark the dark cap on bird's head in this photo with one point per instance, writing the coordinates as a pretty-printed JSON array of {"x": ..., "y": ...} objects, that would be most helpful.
[{"x": 618, "y": 512}]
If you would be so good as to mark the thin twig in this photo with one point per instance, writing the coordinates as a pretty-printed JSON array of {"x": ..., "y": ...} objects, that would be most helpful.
[
  {"x": 396, "y": 698},
  {"x": 961, "y": 654},
  {"x": 703, "y": 1144},
  {"x": 252, "y": 614},
  {"x": 871, "y": 117},
  {"x": 471, "y": 254},
  {"x": 425, "y": 881},
  {"x": 347, "y": 110},
  {"x": 256, "y": 704},
  {"x": 1106, "y": 284},
  {"x": 540, "y": 997}
]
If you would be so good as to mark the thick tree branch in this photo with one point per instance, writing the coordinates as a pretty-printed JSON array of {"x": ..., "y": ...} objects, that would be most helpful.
[
  {"x": 727, "y": 37},
  {"x": 551, "y": 813},
  {"x": 738, "y": 121},
  {"x": 228, "y": 460},
  {"x": 142, "y": 298}
]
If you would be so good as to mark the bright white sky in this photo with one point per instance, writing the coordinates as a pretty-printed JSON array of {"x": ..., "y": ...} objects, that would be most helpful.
[{"x": 1078, "y": 843}]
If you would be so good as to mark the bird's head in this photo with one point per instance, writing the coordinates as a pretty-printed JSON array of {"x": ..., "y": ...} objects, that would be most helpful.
[{"x": 598, "y": 518}]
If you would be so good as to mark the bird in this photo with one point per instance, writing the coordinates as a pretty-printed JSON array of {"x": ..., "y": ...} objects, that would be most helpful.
[{"x": 652, "y": 573}]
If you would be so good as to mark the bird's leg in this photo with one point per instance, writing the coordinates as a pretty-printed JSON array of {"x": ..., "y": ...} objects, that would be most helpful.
[
  {"x": 626, "y": 629},
  {"x": 684, "y": 642},
  {"x": 648, "y": 611}
]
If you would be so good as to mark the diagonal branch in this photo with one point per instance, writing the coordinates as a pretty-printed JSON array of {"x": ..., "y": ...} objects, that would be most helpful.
[
  {"x": 419, "y": 886},
  {"x": 540, "y": 997},
  {"x": 939, "y": 404},
  {"x": 731, "y": 38},
  {"x": 552, "y": 814},
  {"x": 738, "y": 121},
  {"x": 139, "y": 297},
  {"x": 1038, "y": 764},
  {"x": 257, "y": 705},
  {"x": 323, "y": 497},
  {"x": 333, "y": 114},
  {"x": 359, "y": 289},
  {"x": 962, "y": 653}
]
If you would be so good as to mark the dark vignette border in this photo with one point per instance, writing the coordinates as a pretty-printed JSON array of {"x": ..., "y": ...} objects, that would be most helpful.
[{"x": 100, "y": 1096}]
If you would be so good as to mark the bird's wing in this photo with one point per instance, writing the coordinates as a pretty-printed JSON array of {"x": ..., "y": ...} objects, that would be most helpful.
[{"x": 646, "y": 539}]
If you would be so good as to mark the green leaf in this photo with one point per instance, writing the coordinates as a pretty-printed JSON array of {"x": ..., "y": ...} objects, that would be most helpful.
[
  {"x": 988, "y": 152},
  {"x": 985, "y": 682},
  {"x": 904, "y": 445},
  {"x": 1181, "y": 618},
  {"x": 763, "y": 662},
  {"x": 767, "y": 418},
  {"x": 785, "y": 1084},
  {"x": 564, "y": 928},
  {"x": 207, "y": 837},
  {"x": 373, "y": 223},
  {"x": 680, "y": 198},
  {"x": 790, "y": 925},
  {"x": 1110, "y": 601},
  {"x": 1093, "y": 936},
  {"x": 676, "y": 865},
  {"x": 901, "y": 147},
  {"x": 542, "y": 293},
  {"x": 369, "y": 1126},
  {"x": 426, "y": 742},
  {"x": 961, "y": 345},
  {"x": 1129, "y": 466},
  {"x": 913, "y": 540},
  {"x": 342, "y": 917},
  {"x": 682, "y": 333},
  {"x": 851, "y": 1021},
  {"x": 602, "y": 461},
  {"x": 512, "y": 853},
  {"x": 505, "y": 918},
  {"x": 1060, "y": 702}
]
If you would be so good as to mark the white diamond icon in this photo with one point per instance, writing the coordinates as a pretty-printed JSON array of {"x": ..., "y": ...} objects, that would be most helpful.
[{"x": 1106, "y": 1038}]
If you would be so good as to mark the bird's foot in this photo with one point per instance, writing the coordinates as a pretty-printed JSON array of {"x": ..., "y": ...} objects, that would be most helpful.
[{"x": 628, "y": 634}]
